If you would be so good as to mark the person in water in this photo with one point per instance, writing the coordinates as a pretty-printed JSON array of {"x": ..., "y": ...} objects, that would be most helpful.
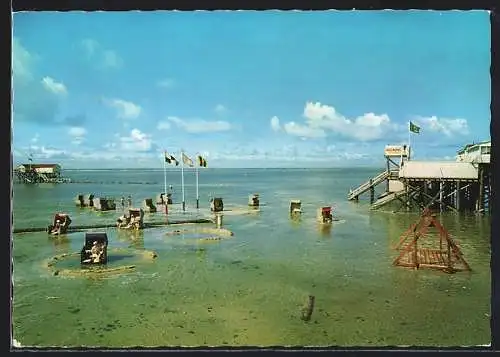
[{"x": 57, "y": 228}]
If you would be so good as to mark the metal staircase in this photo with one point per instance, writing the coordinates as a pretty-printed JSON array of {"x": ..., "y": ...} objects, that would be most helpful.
[
  {"x": 387, "y": 198},
  {"x": 384, "y": 175}
]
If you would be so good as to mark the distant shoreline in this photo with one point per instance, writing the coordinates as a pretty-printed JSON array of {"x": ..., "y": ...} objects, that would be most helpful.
[{"x": 231, "y": 168}]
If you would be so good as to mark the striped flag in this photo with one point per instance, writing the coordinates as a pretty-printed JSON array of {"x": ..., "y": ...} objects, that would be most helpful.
[
  {"x": 187, "y": 160},
  {"x": 169, "y": 159},
  {"x": 201, "y": 161}
]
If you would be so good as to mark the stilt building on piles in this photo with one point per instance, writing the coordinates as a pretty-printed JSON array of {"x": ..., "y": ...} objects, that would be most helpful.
[{"x": 460, "y": 185}]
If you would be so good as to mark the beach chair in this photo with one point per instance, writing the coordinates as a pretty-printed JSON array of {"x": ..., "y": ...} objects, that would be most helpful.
[
  {"x": 60, "y": 224},
  {"x": 253, "y": 200},
  {"x": 148, "y": 205},
  {"x": 89, "y": 200},
  {"x": 216, "y": 204},
  {"x": 160, "y": 199},
  {"x": 136, "y": 219},
  {"x": 325, "y": 215},
  {"x": 295, "y": 207},
  {"x": 80, "y": 201},
  {"x": 95, "y": 250}
]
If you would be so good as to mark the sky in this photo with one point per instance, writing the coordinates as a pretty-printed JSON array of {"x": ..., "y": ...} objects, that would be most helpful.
[{"x": 247, "y": 88}]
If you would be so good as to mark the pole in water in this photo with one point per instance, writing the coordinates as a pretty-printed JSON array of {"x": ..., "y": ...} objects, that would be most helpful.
[
  {"x": 165, "y": 171},
  {"x": 197, "y": 191},
  {"x": 182, "y": 180}
]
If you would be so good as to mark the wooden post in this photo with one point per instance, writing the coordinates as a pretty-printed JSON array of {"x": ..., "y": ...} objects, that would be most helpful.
[
  {"x": 407, "y": 197},
  {"x": 480, "y": 198},
  {"x": 372, "y": 192},
  {"x": 490, "y": 201},
  {"x": 449, "y": 254},
  {"x": 441, "y": 206},
  {"x": 389, "y": 171},
  {"x": 457, "y": 196},
  {"x": 415, "y": 251}
]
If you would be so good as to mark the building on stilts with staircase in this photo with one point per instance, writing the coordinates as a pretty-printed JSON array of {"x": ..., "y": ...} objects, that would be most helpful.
[
  {"x": 461, "y": 185},
  {"x": 39, "y": 173}
]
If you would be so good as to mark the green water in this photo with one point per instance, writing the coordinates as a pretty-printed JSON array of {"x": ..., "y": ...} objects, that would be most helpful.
[{"x": 248, "y": 289}]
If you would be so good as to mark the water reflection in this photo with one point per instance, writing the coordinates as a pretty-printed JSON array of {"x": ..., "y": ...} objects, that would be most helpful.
[
  {"x": 295, "y": 219},
  {"x": 325, "y": 230},
  {"x": 60, "y": 242},
  {"x": 135, "y": 238}
]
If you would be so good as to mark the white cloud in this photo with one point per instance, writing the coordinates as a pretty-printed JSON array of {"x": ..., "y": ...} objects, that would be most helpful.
[
  {"x": 136, "y": 141},
  {"x": 33, "y": 100},
  {"x": 447, "y": 126},
  {"x": 90, "y": 46},
  {"x": 303, "y": 131},
  {"x": 287, "y": 154},
  {"x": 219, "y": 108},
  {"x": 163, "y": 125},
  {"x": 77, "y": 134},
  {"x": 125, "y": 109},
  {"x": 111, "y": 59},
  {"x": 200, "y": 126},
  {"x": 275, "y": 123},
  {"x": 367, "y": 127},
  {"x": 76, "y": 131},
  {"x": 43, "y": 152},
  {"x": 22, "y": 61},
  {"x": 35, "y": 138},
  {"x": 166, "y": 83},
  {"x": 105, "y": 58},
  {"x": 55, "y": 87}
]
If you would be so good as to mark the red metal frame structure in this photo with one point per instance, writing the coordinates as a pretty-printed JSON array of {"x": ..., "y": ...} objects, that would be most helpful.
[{"x": 448, "y": 257}]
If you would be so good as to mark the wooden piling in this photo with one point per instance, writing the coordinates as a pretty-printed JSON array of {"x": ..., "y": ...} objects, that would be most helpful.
[
  {"x": 441, "y": 203},
  {"x": 308, "y": 308},
  {"x": 388, "y": 170},
  {"x": 480, "y": 198},
  {"x": 372, "y": 192}
]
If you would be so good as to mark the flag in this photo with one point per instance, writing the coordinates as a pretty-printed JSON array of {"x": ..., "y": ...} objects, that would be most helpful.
[
  {"x": 201, "y": 161},
  {"x": 169, "y": 159},
  {"x": 414, "y": 128},
  {"x": 187, "y": 161}
]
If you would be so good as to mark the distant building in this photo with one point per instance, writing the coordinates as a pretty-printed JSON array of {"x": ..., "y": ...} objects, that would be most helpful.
[
  {"x": 32, "y": 173},
  {"x": 50, "y": 169},
  {"x": 478, "y": 153}
]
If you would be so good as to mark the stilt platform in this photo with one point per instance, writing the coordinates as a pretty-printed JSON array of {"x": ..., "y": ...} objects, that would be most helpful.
[
  {"x": 426, "y": 257},
  {"x": 463, "y": 185},
  {"x": 447, "y": 256}
]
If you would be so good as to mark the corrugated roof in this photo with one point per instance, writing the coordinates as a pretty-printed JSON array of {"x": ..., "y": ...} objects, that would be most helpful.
[
  {"x": 41, "y": 165},
  {"x": 436, "y": 169}
]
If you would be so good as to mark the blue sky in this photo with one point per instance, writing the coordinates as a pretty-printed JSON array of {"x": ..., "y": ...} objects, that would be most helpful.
[{"x": 247, "y": 89}]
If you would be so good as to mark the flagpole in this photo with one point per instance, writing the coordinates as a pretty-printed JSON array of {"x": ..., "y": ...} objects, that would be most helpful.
[
  {"x": 182, "y": 181},
  {"x": 165, "y": 172},
  {"x": 409, "y": 138},
  {"x": 197, "y": 193}
]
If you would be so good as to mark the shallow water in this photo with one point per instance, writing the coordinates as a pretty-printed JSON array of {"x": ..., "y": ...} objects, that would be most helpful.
[{"x": 247, "y": 289}]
